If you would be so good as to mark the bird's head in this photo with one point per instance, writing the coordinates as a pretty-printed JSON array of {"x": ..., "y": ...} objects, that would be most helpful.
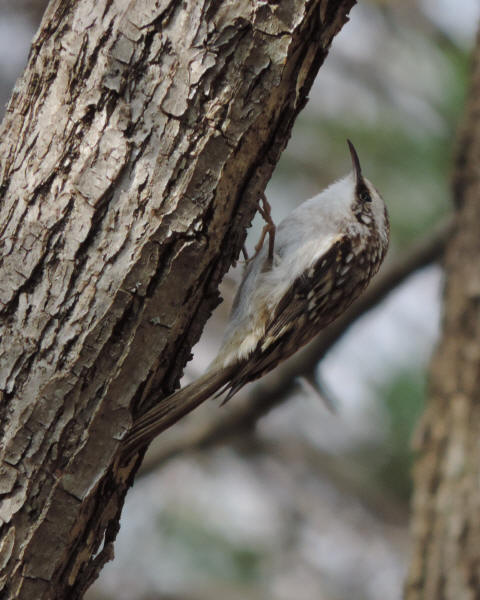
[{"x": 366, "y": 203}]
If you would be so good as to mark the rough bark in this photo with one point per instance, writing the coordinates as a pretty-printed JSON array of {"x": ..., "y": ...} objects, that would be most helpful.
[
  {"x": 446, "y": 508},
  {"x": 132, "y": 154}
]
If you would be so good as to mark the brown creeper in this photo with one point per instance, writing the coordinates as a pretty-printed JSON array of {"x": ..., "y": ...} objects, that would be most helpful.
[{"x": 325, "y": 253}]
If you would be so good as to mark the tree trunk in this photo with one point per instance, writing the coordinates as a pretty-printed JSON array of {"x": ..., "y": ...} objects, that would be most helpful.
[
  {"x": 132, "y": 154},
  {"x": 446, "y": 507}
]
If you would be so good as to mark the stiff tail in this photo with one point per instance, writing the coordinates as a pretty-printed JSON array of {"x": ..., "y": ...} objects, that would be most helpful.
[{"x": 169, "y": 410}]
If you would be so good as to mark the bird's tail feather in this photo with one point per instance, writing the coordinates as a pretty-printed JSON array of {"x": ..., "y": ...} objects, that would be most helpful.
[{"x": 169, "y": 410}]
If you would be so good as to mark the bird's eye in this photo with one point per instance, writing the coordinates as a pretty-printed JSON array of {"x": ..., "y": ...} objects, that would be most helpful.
[{"x": 363, "y": 194}]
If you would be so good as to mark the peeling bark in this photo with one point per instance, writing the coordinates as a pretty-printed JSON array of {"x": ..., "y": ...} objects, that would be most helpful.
[
  {"x": 445, "y": 563},
  {"x": 131, "y": 156}
]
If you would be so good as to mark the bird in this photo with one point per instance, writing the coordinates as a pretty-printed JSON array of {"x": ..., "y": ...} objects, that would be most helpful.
[{"x": 318, "y": 261}]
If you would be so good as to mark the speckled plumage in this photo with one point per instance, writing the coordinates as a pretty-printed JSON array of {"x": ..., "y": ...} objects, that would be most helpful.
[{"x": 325, "y": 253}]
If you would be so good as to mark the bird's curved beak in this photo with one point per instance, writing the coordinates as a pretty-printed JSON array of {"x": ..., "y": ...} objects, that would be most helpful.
[{"x": 357, "y": 169}]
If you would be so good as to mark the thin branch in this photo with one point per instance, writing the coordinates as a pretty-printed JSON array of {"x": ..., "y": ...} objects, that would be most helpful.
[{"x": 273, "y": 389}]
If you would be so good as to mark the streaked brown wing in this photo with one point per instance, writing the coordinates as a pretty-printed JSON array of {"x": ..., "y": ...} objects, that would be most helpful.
[
  {"x": 312, "y": 288},
  {"x": 304, "y": 310}
]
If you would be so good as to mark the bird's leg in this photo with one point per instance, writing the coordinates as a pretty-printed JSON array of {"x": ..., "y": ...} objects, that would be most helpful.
[{"x": 269, "y": 227}]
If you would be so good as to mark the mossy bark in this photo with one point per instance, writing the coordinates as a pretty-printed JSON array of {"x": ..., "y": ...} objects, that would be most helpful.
[{"x": 445, "y": 563}]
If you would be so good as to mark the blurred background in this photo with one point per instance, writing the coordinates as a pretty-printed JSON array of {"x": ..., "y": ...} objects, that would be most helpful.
[{"x": 310, "y": 503}]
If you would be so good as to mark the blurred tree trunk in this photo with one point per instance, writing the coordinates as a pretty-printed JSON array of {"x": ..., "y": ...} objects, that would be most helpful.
[
  {"x": 446, "y": 507},
  {"x": 131, "y": 156}
]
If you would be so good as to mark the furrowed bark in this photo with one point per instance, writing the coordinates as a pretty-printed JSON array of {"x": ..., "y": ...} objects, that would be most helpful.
[
  {"x": 445, "y": 563},
  {"x": 132, "y": 154}
]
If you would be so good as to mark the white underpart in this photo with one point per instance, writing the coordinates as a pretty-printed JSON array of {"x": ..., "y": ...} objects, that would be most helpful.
[{"x": 301, "y": 239}]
